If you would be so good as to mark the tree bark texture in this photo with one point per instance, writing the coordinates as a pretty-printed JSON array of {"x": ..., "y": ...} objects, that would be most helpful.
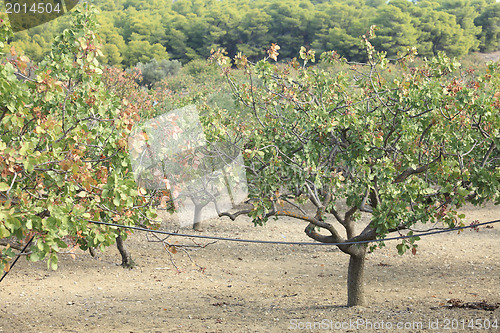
[
  {"x": 127, "y": 261},
  {"x": 197, "y": 217},
  {"x": 355, "y": 279}
]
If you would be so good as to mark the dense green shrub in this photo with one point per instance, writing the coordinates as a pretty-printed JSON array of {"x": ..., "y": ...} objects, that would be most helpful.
[{"x": 154, "y": 71}]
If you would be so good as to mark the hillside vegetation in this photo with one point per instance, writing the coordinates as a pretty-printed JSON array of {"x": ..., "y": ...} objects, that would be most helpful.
[{"x": 134, "y": 31}]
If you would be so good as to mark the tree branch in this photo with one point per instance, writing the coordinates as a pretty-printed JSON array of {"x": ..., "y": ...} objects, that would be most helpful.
[
  {"x": 410, "y": 171},
  {"x": 336, "y": 215},
  {"x": 4, "y": 109},
  {"x": 488, "y": 153},
  {"x": 363, "y": 207},
  {"x": 4, "y": 242},
  {"x": 233, "y": 216},
  {"x": 311, "y": 233}
]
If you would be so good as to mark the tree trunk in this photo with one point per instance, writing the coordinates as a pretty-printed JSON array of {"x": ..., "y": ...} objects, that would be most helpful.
[
  {"x": 355, "y": 288},
  {"x": 127, "y": 261},
  {"x": 93, "y": 253},
  {"x": 197, "y": 217}
]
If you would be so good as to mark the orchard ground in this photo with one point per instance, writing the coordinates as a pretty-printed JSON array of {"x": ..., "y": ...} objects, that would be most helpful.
[{"x": 259, "y": 288}]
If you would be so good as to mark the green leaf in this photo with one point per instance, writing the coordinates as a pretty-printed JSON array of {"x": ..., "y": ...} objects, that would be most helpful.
[
  {"x": 52, "y": 262},
  {"x": 3, "y": 231},
  {"x": 4, "y": 187}
]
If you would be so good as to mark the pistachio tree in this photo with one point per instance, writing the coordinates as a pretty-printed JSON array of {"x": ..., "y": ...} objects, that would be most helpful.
[
  {"x": 403, "y": 143},
  {"x": 63, "y": 149}
]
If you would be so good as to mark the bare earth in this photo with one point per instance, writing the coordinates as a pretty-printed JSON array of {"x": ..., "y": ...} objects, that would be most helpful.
[
  {"x": 493, "y": 56},
  {"x": 260, "y": 288}
]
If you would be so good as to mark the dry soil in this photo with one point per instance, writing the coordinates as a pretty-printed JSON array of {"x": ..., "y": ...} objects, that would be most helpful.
[{"x": 238, "y": 287}]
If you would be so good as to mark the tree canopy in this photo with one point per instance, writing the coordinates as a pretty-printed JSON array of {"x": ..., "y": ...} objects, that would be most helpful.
[
  {"x": 134, "y": 31},
  {"x": 63, "y": 148},
  {"x": 352, "y": 138}
]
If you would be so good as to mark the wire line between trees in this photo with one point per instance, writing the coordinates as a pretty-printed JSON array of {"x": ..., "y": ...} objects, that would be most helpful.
[{"x": 257, "y": 241}]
